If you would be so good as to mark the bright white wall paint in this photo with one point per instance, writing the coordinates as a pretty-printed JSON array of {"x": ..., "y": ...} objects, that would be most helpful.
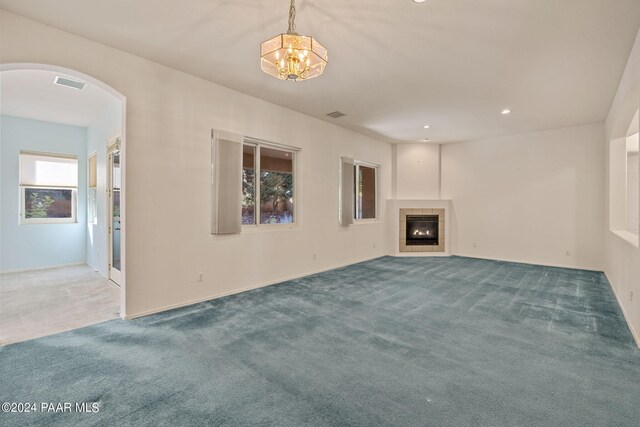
[
  {"x": 622, "y": 256},
  {"x": 529, "y": 197},
  {"x": 417, "y": 171},
  {"x": 105, "y": 127},
  {"x": 32, "y": 246},
  {"x": 169, "y": 119}
]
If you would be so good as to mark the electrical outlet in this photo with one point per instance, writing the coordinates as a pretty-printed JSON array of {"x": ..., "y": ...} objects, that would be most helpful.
[
  {"x": 630, "y": 296},
  {"x": 314, "y": 257},
  {"x": 475, "y": 245},
  {"x": 567, "y": 253},
  {"x": 374, "y": 246},
  {"x": 200, "y": 277}
]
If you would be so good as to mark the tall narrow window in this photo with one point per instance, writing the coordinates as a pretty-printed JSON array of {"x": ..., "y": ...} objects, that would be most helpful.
[
  {"x": 276, "y": 186},
  {"x": 633, "y": 184},
  {"x": 92, "y": 211},
  {"x": 268, "y": 191},
  {"x": 48, "y": 188},
  {"x": 365, "y": 191}
]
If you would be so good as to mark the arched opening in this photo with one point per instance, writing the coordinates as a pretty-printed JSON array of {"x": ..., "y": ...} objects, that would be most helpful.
[{"x": 62, "y": 245}]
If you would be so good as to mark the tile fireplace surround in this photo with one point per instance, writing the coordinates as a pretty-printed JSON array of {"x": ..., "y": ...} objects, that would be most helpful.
[
  {"x": 397, "y": 211},
  {"x": 421, "y": 248}
]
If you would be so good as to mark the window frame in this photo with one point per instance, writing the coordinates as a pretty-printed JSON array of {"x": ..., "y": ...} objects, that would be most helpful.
[
  {"x": 356, "y": 185},
  {"x": 294, "y": 151},
  {"x": 23, "y": 220},
  {"x": 74, "y": 206}
]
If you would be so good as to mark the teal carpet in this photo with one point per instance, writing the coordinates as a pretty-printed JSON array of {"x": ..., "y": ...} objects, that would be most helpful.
[{"x": 393, "y": 341}]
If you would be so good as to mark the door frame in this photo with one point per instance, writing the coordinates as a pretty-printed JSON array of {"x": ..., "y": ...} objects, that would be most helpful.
[{"x": 113, "y": 146}]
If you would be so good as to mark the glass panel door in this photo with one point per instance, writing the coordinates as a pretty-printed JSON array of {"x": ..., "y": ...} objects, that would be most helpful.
[{"x": 114, "y": 214}]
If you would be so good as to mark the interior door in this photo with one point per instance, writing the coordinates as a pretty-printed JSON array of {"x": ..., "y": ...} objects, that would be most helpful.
[{"x": 115, "y": 221}]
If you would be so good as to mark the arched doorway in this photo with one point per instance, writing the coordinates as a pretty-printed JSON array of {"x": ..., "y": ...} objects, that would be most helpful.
[{"x": 45, "y": 107}]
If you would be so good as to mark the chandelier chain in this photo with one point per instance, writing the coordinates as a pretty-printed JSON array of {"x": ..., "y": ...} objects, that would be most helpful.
[{"x": 292, "y": 18}]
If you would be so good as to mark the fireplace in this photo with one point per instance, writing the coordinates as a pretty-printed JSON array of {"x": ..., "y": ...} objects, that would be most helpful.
[{"x": 422, "y": 230}]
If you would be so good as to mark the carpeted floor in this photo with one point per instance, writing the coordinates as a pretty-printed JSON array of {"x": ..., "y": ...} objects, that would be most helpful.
[{"x": 393, "y": 341}]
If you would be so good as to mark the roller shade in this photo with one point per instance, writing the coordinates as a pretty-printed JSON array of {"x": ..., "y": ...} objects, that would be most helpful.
[
  {"x": 93, "y": 171},
  {"x": 42, "y": 170},
  {"x": 346, "y": 191},
  {"x": 226, "y": 150}
]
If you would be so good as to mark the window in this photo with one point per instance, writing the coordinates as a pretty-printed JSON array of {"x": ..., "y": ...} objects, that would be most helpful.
[
  {"x": 365, "y": 190},
  {"x": 268, "y": 190},
  {"x": 358, "y": 191},
  {"x": 48, "y": 188},
  {"x": 624, "y": 174},
  {"x": 633, "y": 184},
  {"x": 92, "y": 212}
]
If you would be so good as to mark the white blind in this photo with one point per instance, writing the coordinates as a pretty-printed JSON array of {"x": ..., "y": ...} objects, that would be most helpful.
[
  {"x": 41, "y": 170},
  {"x": 227, "y": 185}
]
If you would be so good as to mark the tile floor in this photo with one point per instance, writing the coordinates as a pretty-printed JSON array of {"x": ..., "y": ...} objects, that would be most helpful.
[{"x": 44, "y": 302}]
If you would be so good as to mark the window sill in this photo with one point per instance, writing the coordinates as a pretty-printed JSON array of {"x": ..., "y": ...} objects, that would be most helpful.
[
  {"x": 246, "y": 229},
  {"x": 627, "y": 236},
  {"x": 366, "y": 221},
  {"x": 27, "y": 222}
]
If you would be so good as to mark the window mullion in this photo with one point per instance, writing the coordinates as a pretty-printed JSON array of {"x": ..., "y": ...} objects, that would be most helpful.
[
  {"x": 256, "y": 186},
  {"x": 356, "y": 194}
]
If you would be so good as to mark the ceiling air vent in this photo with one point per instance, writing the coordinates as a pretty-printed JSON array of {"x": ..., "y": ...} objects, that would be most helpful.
[
  {"x": 336, "y": 114},
  {"x": 69, "y": 83}
]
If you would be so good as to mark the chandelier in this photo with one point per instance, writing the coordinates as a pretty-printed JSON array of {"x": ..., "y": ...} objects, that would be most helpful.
[{"x": 290, "y": 56}]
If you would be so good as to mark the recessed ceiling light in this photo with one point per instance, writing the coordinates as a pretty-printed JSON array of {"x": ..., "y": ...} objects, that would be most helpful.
[
  {"x": 424, "y": 140},
  {"x": 506, "y": 111},
  {"x": 419, "y": 1},
  {"x": 427, "y": 126}
]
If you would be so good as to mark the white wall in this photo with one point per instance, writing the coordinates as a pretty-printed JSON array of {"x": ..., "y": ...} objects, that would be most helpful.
[
  {"x": 169, "y": 119},
  {"x": 99, "y": 133},
  {"x": 417, "y": 171},
  {"x": 622, "y": 258},
  {"x": 32, "y": 246},
  {"x": 529, "y": 197}
]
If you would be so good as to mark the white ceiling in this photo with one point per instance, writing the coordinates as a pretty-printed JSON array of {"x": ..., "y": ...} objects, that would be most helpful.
[
  {"x": 32, "y": 94},
  {"x": 394, "y": 65}
]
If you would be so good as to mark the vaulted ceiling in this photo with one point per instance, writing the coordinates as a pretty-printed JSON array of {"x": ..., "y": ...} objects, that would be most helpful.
[{"x": 394, "y": 65}]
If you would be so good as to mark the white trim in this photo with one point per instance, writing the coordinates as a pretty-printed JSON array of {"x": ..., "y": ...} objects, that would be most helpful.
[
  {"x": 48, "y": 267},
  {"x": 538, "y": 263},
  {"x": 635, "y": 334},
  {"x": 627, "y": 236},
  {"x": 238, "y": 291}
]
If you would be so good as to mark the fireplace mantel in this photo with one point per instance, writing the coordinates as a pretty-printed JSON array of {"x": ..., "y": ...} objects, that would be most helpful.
[{"x": 395, "y": 246}]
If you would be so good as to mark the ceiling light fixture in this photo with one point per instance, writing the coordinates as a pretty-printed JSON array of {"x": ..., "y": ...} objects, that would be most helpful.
[
  {"x": 419, "y": 1},
  {"x": 427, "y": 126},
  {"x": 506, "y": 111},
  {"x": 290, "y": 56}
]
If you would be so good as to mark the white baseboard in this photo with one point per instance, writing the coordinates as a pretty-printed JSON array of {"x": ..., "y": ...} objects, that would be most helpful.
[
  {"x": 49, "y": 267},
  {"x": 635, "y": 334},
  {"x": 238, "y": 291},
  {"x": 543, "y": 264}
]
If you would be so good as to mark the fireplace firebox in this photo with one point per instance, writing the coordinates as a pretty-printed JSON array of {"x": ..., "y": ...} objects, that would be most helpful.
[{"x": 422, "y": 230}]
